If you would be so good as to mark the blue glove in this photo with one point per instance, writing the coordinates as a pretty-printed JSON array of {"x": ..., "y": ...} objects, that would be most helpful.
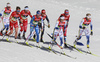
[
  {"x": 80, "y": 27},
  {"x": 0, "y": 14},
  {"x": 56, "y": 28}
]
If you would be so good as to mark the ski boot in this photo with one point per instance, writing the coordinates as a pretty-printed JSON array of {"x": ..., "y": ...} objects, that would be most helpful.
[
  {"x": 61, "y": 46},
  {"x": 26, "y": 43},
  {"x": 87, "y": 46},
  {"x": 24, "y": 37},
  {"x": 75, "y": 43},
  {"x": 41, "y": 40},
  {"x": 16, "y": 39},
  {"x": 19, "y": 36},
  {"x": 34, "y": 37},
  {"x": 49, "y": 47},
  {"x": 65, "y": 45},
  {"x": 6, "y": 33},
  {"x": 1, "y": 33}
]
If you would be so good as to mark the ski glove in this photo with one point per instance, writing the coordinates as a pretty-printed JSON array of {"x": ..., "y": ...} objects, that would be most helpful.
[
  {"x": 82, "y": 27},
  {"x": 0, "y": 14},
  {"x": 56, "y": 28},
  {"x": 91, "y": 32},
  {"x": 48, "y": 25}
]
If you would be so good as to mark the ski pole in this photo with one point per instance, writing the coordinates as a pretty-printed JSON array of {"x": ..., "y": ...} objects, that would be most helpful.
[
  {"x": 4, "y": 36},
  {"x": 30, "y": 35},
  {"x": 82, "y": 35},
  {"x": 53, "y": 40},
  {"x": 2, "y": 21},
  {"x": 45, "y": 25}
]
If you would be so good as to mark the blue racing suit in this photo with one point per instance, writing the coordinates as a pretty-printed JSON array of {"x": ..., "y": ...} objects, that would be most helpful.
[{"x": 34, "y": 26}]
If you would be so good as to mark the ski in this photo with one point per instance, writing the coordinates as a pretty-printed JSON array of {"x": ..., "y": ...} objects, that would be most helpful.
[
  {"x": 60, "y": 53},
  {"x": 89, "y": 52},
  {"x": 16, "y": 41},
  {"x": 50, "y": 50},
  {"x": 68, "y": 55},
  {"x": 75, "y": 48},
  {"x": 92, "y": 54},
  {"x": 8, "y": 40},
  {"x": 32, "y": 40},
  {"x": 29, "y": 45},
  {"x": 38, "y": 46},
  {"x": 67, "y": 44},
  {"x": 82, "y": 51}
]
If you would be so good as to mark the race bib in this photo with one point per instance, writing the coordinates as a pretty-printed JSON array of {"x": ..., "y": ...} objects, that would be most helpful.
[
  {"x": 23, "y": 17},
  {"x": 14, "y": 19},
  {"x": 35, "y": 22}
]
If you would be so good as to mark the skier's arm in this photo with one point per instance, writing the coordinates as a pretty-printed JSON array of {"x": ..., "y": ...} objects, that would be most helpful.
[
  {"x": 68, "y": 20},
  {"x": 21, "y": 21},
  {"x": 56, "y": 26},
  {"x": 48, "y": 21},
  {"x": 31, "y": 22},
  {"x": 65, "y": 26},
  {"x": 11, "y": 16},
  {"x": 42, "y": 22},
  {"x": 91, "y": 26},
  {"x": 60, "y": 16},
  {"x": 20, "y": 15},
  {"x": 67, "y": 23},
  {"x": 80, "y": 26},
  {"x": 11, "y": 11},
  {"x": 30, "y": 14},
  {"x": 2, "y": 14},
  {"x": 2, "y": 11}
]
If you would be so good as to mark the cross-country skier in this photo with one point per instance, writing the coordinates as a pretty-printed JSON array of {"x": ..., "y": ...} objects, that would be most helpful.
[
  {"x": 83, "y": 27},
  {"x": 14, "y": 17},
  {"x": 24, "y": 21},
  {"x": 5, "y": 18},
  {"x": 44, "y": 16},
  {"x": 59, "y": 29},
  {"x": 67, "y": 16},
  {"x": 34, "y": 26}
]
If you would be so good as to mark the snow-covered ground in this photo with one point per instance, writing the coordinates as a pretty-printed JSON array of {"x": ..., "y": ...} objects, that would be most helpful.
[{"x": 12, "y": 52}]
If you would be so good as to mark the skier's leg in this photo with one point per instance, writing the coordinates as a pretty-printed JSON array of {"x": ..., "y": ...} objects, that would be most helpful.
[
  {"x": 25, "y": 28},
  {"x": 61, "y": 38},
  {"x": 7, "y": 29},
  {"x": 21, "y": 28},
  {"x": 16, "y": 29},
  {"x": 87, "y": 33},
  {"x": 42, "y": 33},
  {"x": 79, "y": 37},
  {"x": 37, "y": 33},
  {"x": 4, "y": 26},
  {"x": 11, "y": 28}
]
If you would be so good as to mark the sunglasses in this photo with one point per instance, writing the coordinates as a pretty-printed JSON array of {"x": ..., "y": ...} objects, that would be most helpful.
[{"x": 18, "y": 10}]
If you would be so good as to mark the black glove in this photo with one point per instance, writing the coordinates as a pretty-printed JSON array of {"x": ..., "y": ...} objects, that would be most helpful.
[
  {"x": 91, "y": 33},
  {"x": 83, "y": 27}
]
